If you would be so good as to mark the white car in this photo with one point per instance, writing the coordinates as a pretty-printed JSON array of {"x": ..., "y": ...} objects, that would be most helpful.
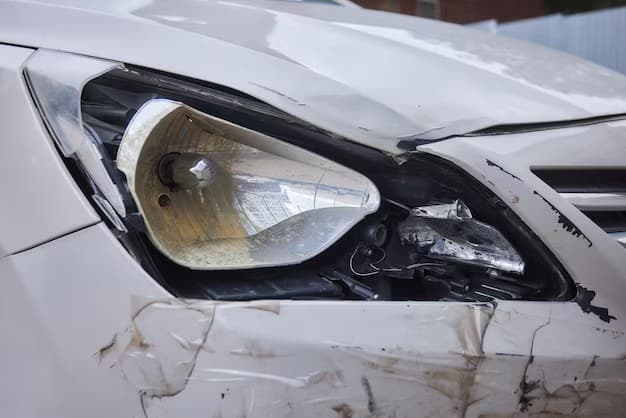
[{"x": 278, "y": 209}]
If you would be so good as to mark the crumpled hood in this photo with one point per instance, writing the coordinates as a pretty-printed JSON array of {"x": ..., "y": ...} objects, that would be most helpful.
[{"x": 370, "y": 76}]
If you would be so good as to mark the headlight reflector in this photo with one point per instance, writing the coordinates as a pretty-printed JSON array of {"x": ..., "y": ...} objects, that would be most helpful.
[{"x": 215, "y": 195}]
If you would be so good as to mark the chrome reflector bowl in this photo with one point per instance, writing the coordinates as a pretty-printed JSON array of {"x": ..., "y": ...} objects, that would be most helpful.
[{"x": 215, "y": 195}]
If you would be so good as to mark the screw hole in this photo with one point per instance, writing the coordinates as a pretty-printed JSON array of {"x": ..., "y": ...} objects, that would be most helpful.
[{"x": 164, "y": 200}]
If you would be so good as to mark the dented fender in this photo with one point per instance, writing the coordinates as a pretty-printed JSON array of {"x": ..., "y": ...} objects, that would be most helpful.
[
  {"x": 115, "y": 354},
  {"x": 353, "y": 359}
]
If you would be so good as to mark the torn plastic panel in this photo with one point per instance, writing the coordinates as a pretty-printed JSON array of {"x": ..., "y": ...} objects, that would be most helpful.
[{"x": 371, "y": 261}]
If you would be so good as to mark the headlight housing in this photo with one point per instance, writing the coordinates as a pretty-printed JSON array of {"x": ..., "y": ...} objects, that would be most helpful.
[
  {"x": 203, "y": 185},
  {"x": 215, "y": 195}
]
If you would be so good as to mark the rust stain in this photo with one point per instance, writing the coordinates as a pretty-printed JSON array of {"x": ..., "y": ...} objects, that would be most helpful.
[
  {"x": 598, "y": 392},
  {"x": 173, "y": 377},
  {"x": 105, "y": 349},
  {"x": 343, "y": 410},
  {"x": 566, "y": 399},
  {"x": 456, "y": 384},
  {"x": 462, "y": 381},
  {"x": 136, "y": 338}
]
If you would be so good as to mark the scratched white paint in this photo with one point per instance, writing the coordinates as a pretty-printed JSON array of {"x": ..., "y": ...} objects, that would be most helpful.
[
  {"x": 277, "y": 359},
  {"x": 76, "y": 350},
  {"x": 599, "y": 266},
  {"x": 162, "y": 343},
  {"x": 273, "y": 359},
  {"x": 317, "y": 359}
]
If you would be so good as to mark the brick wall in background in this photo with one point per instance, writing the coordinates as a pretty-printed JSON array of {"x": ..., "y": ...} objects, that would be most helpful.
[
  {"x": 398, "y": 6},
  {"x": 461, "y": 11},
  {"x": 467, "y": 11}
]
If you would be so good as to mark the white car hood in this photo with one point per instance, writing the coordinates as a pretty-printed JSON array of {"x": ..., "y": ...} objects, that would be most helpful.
[{"x": 369, "y": 76}]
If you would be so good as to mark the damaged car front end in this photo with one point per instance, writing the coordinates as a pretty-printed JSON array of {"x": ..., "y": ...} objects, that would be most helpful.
[
  {"x": 233, "y": 210},
  {"x": 292, "y": 242}
]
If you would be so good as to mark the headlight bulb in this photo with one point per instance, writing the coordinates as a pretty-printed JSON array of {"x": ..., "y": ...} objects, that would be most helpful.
[{"x": 187, "y": 171}]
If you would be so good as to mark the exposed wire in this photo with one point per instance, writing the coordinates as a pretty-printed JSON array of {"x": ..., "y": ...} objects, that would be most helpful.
[
  {"x": 390, "y": 269},
  {"x": 376, "y": 270},
  {"x": 351, "y": 265},
  {"x": 420, "y": 265}
]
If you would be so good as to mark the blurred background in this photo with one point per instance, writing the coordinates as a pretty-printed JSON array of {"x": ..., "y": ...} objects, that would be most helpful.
[{"x": 592, "y": 29}]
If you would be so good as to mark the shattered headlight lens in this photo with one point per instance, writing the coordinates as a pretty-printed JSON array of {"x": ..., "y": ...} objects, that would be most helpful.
[{"x": 215, "y": 195}]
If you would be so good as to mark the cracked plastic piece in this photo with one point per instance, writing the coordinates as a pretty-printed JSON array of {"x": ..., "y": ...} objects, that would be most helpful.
[
  {"x": 449, "y": 232},
  {"x": 255, "y": 201},
  {"x": 56, "y": 80}
]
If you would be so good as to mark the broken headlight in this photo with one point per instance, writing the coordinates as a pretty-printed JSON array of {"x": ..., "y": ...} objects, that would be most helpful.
[
  {"x": 449, "y": 232},
  {"x": 215, "y": 195},
  {"x": 204, "y": 185}
]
